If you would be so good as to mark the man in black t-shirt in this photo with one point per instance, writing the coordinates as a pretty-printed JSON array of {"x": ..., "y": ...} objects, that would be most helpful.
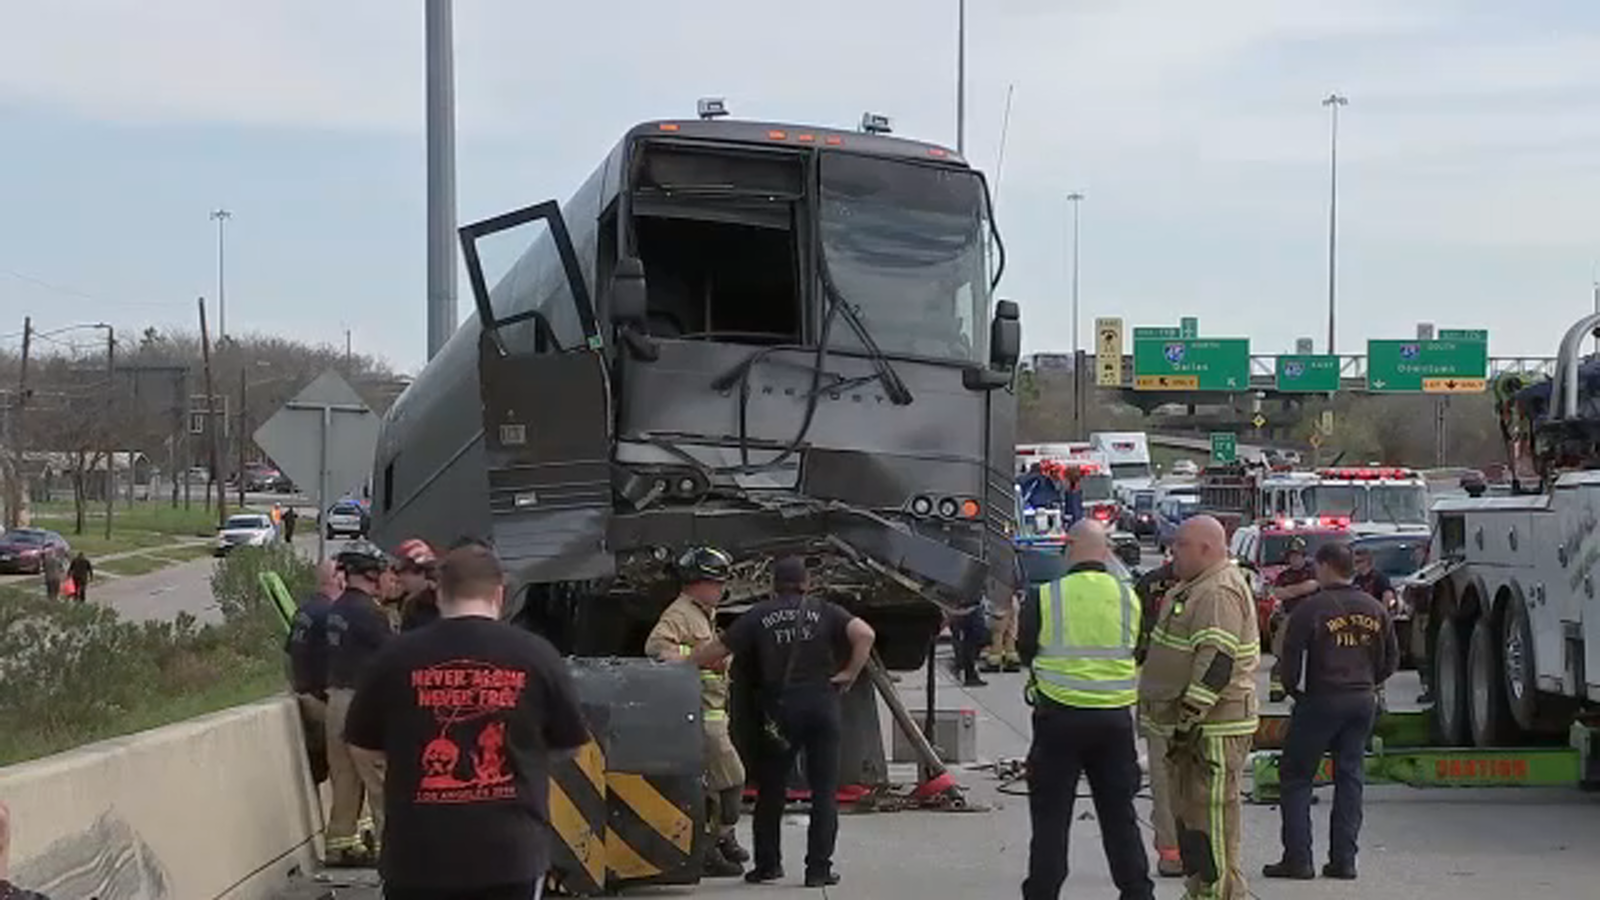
[
  {"x": 806, "y": 652},
  {"x": 1370, "y": 579},
  {"x": 356, "y": 629},
  {"x": 465, "y": 715}
]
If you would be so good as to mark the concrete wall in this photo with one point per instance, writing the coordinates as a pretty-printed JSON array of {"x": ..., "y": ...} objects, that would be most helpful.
[{"x": 216, "y": 807}]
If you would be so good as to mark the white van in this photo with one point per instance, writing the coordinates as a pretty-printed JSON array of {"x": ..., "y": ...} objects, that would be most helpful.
[{"x": 1129, "y": 455}]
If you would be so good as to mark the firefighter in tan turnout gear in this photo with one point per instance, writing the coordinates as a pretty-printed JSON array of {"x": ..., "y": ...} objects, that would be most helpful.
[
  {"x": 1198, "y": 692},
  {"x": 689, "y": 622}
]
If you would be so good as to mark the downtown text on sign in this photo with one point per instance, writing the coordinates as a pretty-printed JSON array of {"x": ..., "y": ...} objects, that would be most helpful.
[
  {"x": 1445, "y": 366},
  {"x": 1203, "y": 364}
]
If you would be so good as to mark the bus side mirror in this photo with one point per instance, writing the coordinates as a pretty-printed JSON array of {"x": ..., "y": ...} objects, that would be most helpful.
[
  {"x": 628, "y": 296},
  {"x": 1005, "y": 336}
]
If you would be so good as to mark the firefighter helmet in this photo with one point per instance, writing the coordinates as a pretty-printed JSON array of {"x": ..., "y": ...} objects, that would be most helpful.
[
  {"x": 416, "y": 553},
  {"x": 362, "y": 558},
  {"x": 704, "y": 564}
]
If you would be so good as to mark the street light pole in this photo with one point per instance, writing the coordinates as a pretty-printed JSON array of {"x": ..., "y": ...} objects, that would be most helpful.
[
  {"x": 961, "y": 77},
  {"x": 1333, "y": 102},
  {"x": 221, "y": 217},
  {"x": 1075, "y": 198},
  {"x": 439, "y": 101}
]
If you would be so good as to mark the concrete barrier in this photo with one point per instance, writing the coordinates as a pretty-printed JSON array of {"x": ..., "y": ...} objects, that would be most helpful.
[{"x": 217, "y": 807}]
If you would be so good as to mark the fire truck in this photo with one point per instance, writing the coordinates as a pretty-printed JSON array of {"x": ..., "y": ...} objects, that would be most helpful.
[
  {"x": 1372, "y": 499},
  {"x": 1261, "y": 549}
]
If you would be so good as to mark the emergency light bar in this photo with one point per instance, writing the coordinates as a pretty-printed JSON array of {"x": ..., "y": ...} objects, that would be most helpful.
[
  {"x": 1367, "y": 473},
  {"x": 1287, "y": 523}
]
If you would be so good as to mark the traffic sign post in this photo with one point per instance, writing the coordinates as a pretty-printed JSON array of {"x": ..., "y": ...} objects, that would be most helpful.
[
  {"x": 1224, "y": 447},
  {"x": 1308, "y": 374},
  {"x": 1458, "y": 364},
  {"x": 1108, "y": 352},
  {"x": 325, "y": 436},
  {"x": 1210, "y": 364}
]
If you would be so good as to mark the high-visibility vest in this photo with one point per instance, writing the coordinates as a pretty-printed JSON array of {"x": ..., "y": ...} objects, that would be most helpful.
[{"x": 1085, "y": 656}]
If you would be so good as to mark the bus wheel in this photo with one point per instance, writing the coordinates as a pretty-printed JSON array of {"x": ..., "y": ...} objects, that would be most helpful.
[
  {"x": 1516, "y": 650},
  {"x": 1487, "y": 711},
  {"x": 1449, "y": 660}
]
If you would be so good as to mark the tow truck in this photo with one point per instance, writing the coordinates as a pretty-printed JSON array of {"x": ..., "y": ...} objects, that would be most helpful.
[{"x": 1506, "y": 611}]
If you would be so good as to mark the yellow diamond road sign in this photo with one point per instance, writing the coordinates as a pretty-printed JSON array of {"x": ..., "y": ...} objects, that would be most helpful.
[
  {"x": 1316, "y": 439},
  {"x": 1453, "y": 385},
  {"x": 1108, "y": 352},
  {"x": 1259, "y": 420}
]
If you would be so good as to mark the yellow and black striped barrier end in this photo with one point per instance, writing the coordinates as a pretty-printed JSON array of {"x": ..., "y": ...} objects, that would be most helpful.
[
  {"x": 656, "y": 828},
  {"x": 578, "y": 814}
]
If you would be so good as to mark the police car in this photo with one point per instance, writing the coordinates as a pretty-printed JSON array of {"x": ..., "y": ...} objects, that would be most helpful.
[{"x": 1262, "y": 550}]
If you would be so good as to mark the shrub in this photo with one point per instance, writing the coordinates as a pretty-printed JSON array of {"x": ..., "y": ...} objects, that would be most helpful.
[{"x": 72, "y": 673}]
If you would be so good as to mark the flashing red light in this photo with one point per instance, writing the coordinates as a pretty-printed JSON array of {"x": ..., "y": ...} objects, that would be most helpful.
[
  {"x": 1103, "y": 513},
  {"x": 1334, "y": 521},
  {"x": 1367, "y": 473}
]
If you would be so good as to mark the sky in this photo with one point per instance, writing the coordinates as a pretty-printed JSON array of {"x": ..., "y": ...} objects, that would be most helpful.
[{"x": 1468, "y": 182}]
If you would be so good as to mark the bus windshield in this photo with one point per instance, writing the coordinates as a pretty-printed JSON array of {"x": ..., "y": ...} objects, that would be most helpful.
[{"x": 905, "y": 246}]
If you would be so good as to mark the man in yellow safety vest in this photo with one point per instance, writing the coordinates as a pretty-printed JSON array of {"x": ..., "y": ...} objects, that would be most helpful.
[
  {"x": 685, "y": 625},
  {"x": 1078, "y": 641}
]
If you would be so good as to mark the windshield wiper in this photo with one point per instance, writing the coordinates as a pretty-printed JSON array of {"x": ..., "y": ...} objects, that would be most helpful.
[{"x": 898, "y": 393}]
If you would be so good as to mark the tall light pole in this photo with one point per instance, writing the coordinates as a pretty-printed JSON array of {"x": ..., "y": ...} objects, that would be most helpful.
[
  {"x": 440, "y": 101},
  {"x": 961, "y": 77},
  {"x": 221, "y": 217},
  {"x": 1333, "y": 102},
  {"x": 1075, "y": 198}
]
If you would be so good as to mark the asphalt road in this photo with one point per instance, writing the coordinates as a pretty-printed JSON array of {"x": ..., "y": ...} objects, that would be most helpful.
[{"x": 1417, "y": 844}]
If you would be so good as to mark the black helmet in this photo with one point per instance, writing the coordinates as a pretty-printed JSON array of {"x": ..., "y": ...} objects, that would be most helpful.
[
  {"x": 1297, "y": 544},
  {"x": 704, "y": 564},
  {"x": 362, "y": 558}
]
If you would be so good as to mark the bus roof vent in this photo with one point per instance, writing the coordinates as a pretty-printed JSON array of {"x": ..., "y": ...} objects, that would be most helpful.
[
  {"x": 711, "y": 107},
  {"x": 875, "y": 123}
]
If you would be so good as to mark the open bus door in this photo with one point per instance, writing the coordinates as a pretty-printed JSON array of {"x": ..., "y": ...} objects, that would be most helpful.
[{"x": 547, "y": 422}]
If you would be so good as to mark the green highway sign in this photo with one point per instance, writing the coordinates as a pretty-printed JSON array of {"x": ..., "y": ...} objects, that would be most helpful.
[
  {"x": 1224, "y": 447},
  {"x": 1155, "y": 333},
  {"x": 1464, "y": 334},
  {"x": 1306, "y": 373},
  {"x": 1191, "y": 364},
  {"x": 1188, "y": 327},
  {"x": 1453, "y": 366}
]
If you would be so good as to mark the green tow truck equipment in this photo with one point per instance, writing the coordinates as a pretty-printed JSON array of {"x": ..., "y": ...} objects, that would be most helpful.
[{"x": 1399, "y": 755}]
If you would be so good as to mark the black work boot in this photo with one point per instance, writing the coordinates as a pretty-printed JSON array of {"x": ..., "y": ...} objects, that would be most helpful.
[
  {"x": 822, "y": 878},
  {"x": 760, "y": 875},
  {"x": 1289, "y": 870},
  {"x": 1340, "y": 871},
  {"x": 716, "y": 865},
  {"x": 729, "y": 845}
]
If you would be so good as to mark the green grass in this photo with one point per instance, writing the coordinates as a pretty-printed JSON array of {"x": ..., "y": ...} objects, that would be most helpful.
[
  {"x": 144, "y": 525},
  {"x": 233, "y": 689},
  {"x": 185, "y": 553}
]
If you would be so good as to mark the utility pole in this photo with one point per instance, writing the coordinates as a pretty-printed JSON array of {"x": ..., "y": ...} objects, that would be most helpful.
[
  {"x": 221, "y": 216},
  {"x": 347, "y": 370},
  {"x": 211, "y": 421},
  {"x": 241, "y": 438},
  {"x": 179, "y": 391},
  {"x": 1333, "y": 102},
  {"x": 111, "y": 450},
  {"x": 19, "y": 433},
  {"x": 438, "y": 41},
  {"x": 961, "y": 78}
]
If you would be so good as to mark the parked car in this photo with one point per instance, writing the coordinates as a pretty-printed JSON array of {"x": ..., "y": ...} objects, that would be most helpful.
[
  {"x": 24, "y": 550},
  {"x": 347, "y": 517},
  {"x": 245, "y": 530}
]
